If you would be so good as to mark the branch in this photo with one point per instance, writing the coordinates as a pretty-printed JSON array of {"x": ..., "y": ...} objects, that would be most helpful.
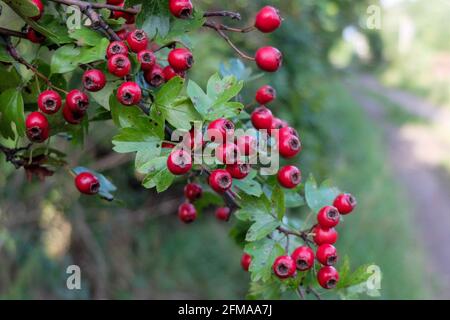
[
  {"x": 83, "y": 4},
  {"x": 11, "y": 155},
  {"x": 300, "y": 234},
  {"x": 314, "y": 292},
  {"x": 229, "y": 14},
  {"x": 12, "y": 33}
]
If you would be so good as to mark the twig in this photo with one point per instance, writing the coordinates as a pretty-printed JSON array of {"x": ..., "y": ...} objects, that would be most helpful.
[
  {"x": 229, "y": 14},
  {"x": 11, "y": 155},
  {"x": 314, "y": 292},
  {"x": 82, "y": 4},
  {"x": 231, "y": 29},
  {"x": 300, "y": 234},
  {"x": 13, "y": 33},
  {"x": 300, "y": 293}
]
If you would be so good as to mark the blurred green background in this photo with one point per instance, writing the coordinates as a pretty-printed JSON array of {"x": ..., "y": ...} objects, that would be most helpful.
[{"x": 332, "y": 87}]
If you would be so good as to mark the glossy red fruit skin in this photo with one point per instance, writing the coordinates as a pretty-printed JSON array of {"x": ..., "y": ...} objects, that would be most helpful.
[
  {"x": 265, "y": 94},
  {"x": 116, "y": 47},
  {"x": 40, "y": 6},
  {"x": 345, "y": 203},
  {"x": 246, "y": 260},
  {"x": 262, "y": 118},
  {"x": 180, "y": 59},
  {"x": 49, "y": 101},
  {"x": 223, "y": 213},
  {"x": 129, "y": 93},
  {"x": 193, "y": 191},
  {"x": 187, "y": 212},
  {"x": 323, "y": 236},
  {"x": 289, "y": 146},
  {"x": 326, "y": 254},
  {"x": 220, "y": 180},
  {"x": 328, "y": 217},
  {"x": 247, "y": 145},
  {"x": 137, "y": 40},
  {"x": 287, "y": 132},
  {"x": 94, "y": 80},
  {"x": 181, "y": 8},
  {"x": 220, "y": 127},
  {"x": 115, "y": 2},
  {"x": 77, "y": 101},
  {"x": 37, "y": 127},
  {"x": 277, "y": 123},
  {"x": 129, "y": 18},
  {"x": 123, "y": 34},
  {"x": 268, "y": 59},
  {"x": 284, "y": 267},
  {"x": 169, "y": 73},
  {"x": 239, "y": 170},
  {"x": 155, "y": 76},
  {"x": 267, "y": 19},
  {"x": 328, "y": 277},
  {"x": 35, "y": 36},
  {"x": 179, "y": 162},
  {"x": 147, "y": 59},
  {"x": 227, "y": 153},
  {"x": 303, "y": 257},
  {"x": 72, "y": 117},
  {"x": 119, "y": 65},
  {"x": 87, "y": 183},
  {"x": 289, "y": 177}
]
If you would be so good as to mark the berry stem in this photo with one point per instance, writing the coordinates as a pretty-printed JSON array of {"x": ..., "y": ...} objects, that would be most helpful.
[
  {"x": 310, "y": 289},
  {"x": 11, "y": 155},
  {"x": 82, "y": 4},
  {"x": 12, "y": 33},
  {"x": 229, "y": 14}
]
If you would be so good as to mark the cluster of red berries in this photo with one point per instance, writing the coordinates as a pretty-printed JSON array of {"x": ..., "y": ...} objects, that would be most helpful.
[{"x": 302, "y": 258}]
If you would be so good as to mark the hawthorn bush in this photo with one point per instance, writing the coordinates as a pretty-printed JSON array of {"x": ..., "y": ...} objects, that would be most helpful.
[{"x": 73, "y": 63}]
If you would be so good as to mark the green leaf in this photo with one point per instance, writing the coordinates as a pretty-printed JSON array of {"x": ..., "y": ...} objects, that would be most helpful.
[
  {"x": 52, "y": 29},
  {"x": 103, "y": 96},
  {"x": 318, "y": 197},
  {"x": 264, "y": 225},
  {"x": 158, "y": 175},
  {"x": 4, "y": 55},
  {"x": 199, "y": 98},
  {"x": 263, "y": 253},
  {"x": 180, "y": 113},
  {"x": 92, "y": 54},
  {"x": 154, "y": 17},
  {"x": 251, "y": 207},
  {"x": 106, "y": 186},
  {"x": 85, "y": 36},
  {"x": 348, "y": 278},
  {"x": 278, "y": 202},
  {"x": 293, "y": 198},
  {"x": 25, "y": 7},
  {"x": 169, "y": 92},
  {"x": 12, "y": 114},
  {"x": 65, "y": 59},
  {"x": 248, "y": 185},
  {"x": 180, "y": 27},
  {"x": 269, "y": 290}
]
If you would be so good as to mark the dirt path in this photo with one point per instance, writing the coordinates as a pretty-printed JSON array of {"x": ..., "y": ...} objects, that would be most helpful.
[{"x": 417, "y": 153}]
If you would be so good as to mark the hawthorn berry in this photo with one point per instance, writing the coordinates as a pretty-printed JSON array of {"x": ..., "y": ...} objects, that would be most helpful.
[
  {"x": 115, "y": 2},
  {"x": 72, "y": 117},
  {"x": 155, "y": 76},
  {"x": 267, "y": 19},
  {"x": 246, "y": 260},
  {"x": 187, "y": 212},
  {"x": 277, "y": 123},
  {"x": 181, "y": 8},
  {"x": 137, "y": 40},
  {"x": 116, "y": 47},
  {"x": 328, "y": 277},
  {"x": 239, "y": 170},
  {"x": 324, "y": 235},
  {"x": 326, "y": 254},
  {"x": 220, "y": 127},
  {"x": 123, "y": 34},
  {"x": 223, "y": 213},
  {"x": 37, "y": 127},
  {"x": 289, "y": 146},
  {"x": 265, "y": 94},
  {"x": 284, "y": 267},
  {"x": 129, "y": 93},
  {"x": 49, "y": 101},
  {"x": 169, "y": 73},
  {"x": 180, "y": 59},
  {"x": 227, "y": 153},
  {"x": 328, "y": 217},
  {"x": 303, "y": 257},
  {"x": 220, "y": 180},
  {"x": 119, "y": 65},
  {"x": 289, "y": 176},
  {"x": 246, "y": 145},
  {"x": 87, "y": 183},
  {"x": 147, "y": 59},
  {"x": 129, "y": 17},
  {"x": 40, "y": 6},
  {"x": 268, "y": 59},
  {"x": 77, "y": 101},
  {"x": 262, "y": 118},
  {"x": 288, "y": 131},
  {"x": 179, "y": 162},
  {"x": 35, "y": 36},
  {"x": 193, "y": 191},
  {"x": 94, "y": 80},
  {"x": 345, "y": 203}
]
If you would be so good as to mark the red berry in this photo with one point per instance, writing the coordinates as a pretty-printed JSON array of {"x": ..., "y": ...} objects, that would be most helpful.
[
  {"x": 116, "y": 47},
  {"x": 287, "y": 132},
  {"x": 169, "y": 73},
  {"x": 137, "y": 40},
  {"x": 262, "y": 118},
  {"x": 115, "y": 2},
  {"x": 40, "y": 6},
  {"x": 193, "y": 191},
  {"x": 223, "y": 213},
  {"x": 326, "y": 254},
  {"x": 277, "y": 123},
  {"x": 123, "y": 34},
  {"x": 268, "y": 59},
  {"x": 265, "y": 94},
  {"x": 167, "y": 145},
  {"x": 154, "y": 77},
  {"x": 72, "y": 117},
  {"x": 119, "y": 65},
  {"x": 87, "y": 183},
  {"x": 181, "y": 8},
  {"x": 328, "y": 217},
  {"x": 323, "y": 236},
  {"x": 179, "y": 162},
  {"x": 147, "y": 59},
  {"x": 77, "y": 101},
  {"x": 227, "y": 153},
  {"x": 289, "y": 146},
  {"x": 239, "y": 170},
  {"x": 129, "y": 17},
  {"x": 180, "y": 59},
  {"x": 289, "y": 176},
  {"x": 328, "y": 277},
  {"x": 246, "y": 260},
  {"x": 94, "y": 80},
  {"x": 37, "y": 127},
  {"x": 49, "y": 102},
  {"x": 129, "y": 93},
  {"x": 220, "y": 128},
  {"x": 303, "y": 257},
  {"x": 187, "y": 212},
  {"x": 220, "y": 180},
  {"x": 267, "y": 19},
  {"x": 284, "y": 267},
  {"x": 35, "y": 36},
  {"x": 345, "y": 203},
  {"x": 247, "y": 145}
]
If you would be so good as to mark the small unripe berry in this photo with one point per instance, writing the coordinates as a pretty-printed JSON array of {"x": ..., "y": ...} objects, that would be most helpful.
[
  {"x": 49, "y": 101},
  {"x": 187, "y": 212},
  {"x": 193, "y": 191},
  {"x": 326, "y": 254},
  {"x": 328, "y": 277},
  {"x": 147, "y": 59},
  {"x": 239, "y": 170},
  {"x": 179, "y": 162},
  {"x": 223, "y": 213},
  {"x": 262, "y": 118},
  {"x": 35, "y": 36},
  {"x": 180, "y": 59},
  {"x": 268, "y": 59},
  {"x": 328, "y": 217},
  {"x": 72, "y": 117},
  {"x": 247, "y": 145},
  {"x": 265, "y": 94},
  {"x": 181, "y": 8},
  {"x": 289, "y": 146},
  {"x": 220, "y": 127},
  {"x": 345, "y": 203},
  {"x": 129, "y": 93},
  {"x": 94, "y": 80},
  {"x": 119, "y": 65},
  {"x": 116, "y": 47},
  {"x": 220, "y": 180},
  {"x": 37, "y": 127},
  {"x": 40, "y": 6},
  {"x": 137, "y": 40},
  {"x": 246, "y": 260},
  {"x": 284, "y": 267},
  {"x": 323, "y": 236},
  {"x": 227, "y": 153},
  {"x": 77, "y": 101},
  {"x": 154, "y": 77},
  {"x": 267, "y": 19},
  {"x": 303, "y": 257},
  {"x": 87, "y": 183},
  {"x": 289, "y": 176}
]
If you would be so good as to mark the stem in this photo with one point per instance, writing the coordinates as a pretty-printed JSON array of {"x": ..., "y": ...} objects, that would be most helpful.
[
  {"x": 300, "y": 293},
  {"x": 314, "y": 292},
  {"x": 229, "y": 14},
  {"x": 300, "y": 234},
  {"x": 82, "y": 4},
  {"x": 11, "y": 155},
  {"x": 171, "y": 45},
  {"x": 12, "y": 33}
]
